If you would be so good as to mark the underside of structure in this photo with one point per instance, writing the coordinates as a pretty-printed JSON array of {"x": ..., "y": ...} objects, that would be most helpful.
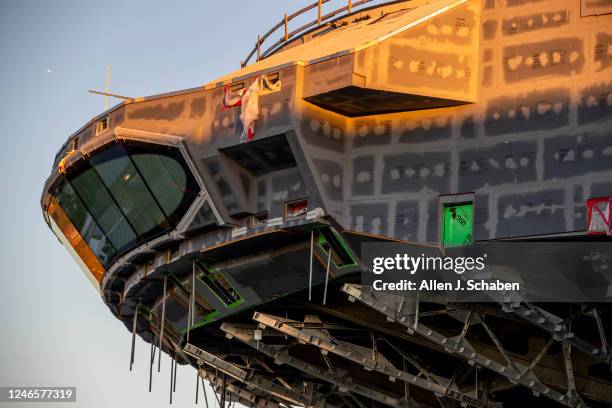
[{"x": 375, "y": 123}]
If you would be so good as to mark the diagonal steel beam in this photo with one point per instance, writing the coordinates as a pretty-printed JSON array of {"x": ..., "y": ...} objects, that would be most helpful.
[
  {"x": 241, "y": 375},
  {"x": 557, "y": 327},
  {"x": 462, "y": 349},
  {"x": 243, "y": 396},
  {"x": 344, "y": 382},
  {"x": 364, "y": 358}
]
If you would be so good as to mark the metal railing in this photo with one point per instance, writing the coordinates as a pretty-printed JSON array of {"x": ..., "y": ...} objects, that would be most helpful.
[{"x": 287, "y": 35}]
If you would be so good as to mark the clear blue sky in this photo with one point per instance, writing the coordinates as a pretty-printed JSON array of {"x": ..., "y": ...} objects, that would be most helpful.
[{"x": 54, "y": 328}]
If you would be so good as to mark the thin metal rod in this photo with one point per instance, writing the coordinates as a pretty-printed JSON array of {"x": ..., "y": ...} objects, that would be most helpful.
[
  {"x": 258, "y": 47},
  {"x": 197, "y": 386},
  {"x": 163, "y": 319},
  {"x": 310, "y": 269},
  {"x": 327, "y": 276},
  {"x": 151, "y": 361},
  {"x": 107, "y": 94},
  {"x": 286, "y": 28},
  {"x": 133, "y": 337},
  {"x": 205, "y": 393},
  {"x": 107, "y": 82},
  {"x": 171, "y": 376},
  {"x": 319, "y": 13},
  {"x": 174, "y": 382},
  {"x": 350, "y": 6}
]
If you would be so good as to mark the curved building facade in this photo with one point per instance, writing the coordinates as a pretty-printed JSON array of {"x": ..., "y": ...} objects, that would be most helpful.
[{"x": 376, "y": 123}]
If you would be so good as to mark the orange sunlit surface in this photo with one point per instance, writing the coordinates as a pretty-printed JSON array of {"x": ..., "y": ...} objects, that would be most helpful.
[{"x": 75, "y": 240}]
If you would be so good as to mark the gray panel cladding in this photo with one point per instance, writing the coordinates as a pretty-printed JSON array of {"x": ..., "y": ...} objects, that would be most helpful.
[
  {"x": 412, "y": 172},
  {"x": 535, "y": 110},
  {"x": 160, "y": 111},
  {"x": 427, "y": 130},
  {"x": 602, "y": 189},
  {"x": 595, "y": 103},
  {"x": 576, "y": 155},
  {"x": 330, "y": 176},
  {"x": 533, "y": 22},
  {"x": 287, "y": 186},
  {"x": 502, "y": 163},
  {"x": 363, "y": 176},
  {"x": 540, "y": 212},
  {"x": 222, "y": 184},
  {"x": 372, "y": 134},
  {"x": 407, "y": 216},
  {"x": 371, "y": 218},
  {"x": 527, "y": 61}
]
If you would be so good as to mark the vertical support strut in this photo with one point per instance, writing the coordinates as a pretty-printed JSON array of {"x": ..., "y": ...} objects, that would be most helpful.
[
  {"x": 286, "y": 28},
  {"x": 163, "y": 319},
  {"x": 569, "y": 370},
  {"x": 197, "y": 386},
  {"x": 151, "y": 361},
  {"x": 258, "y": 47},
  {"x": 223, "y": 384},
  {"x": 602, "y": 333},
  {"x": 174, "y": 381},
  {"x": 310, "y": 269},
  {"x": 204, "y": 391},
  {"x": 134, "y": 324},
  {"x": 350, "y": 6},
  {"x": 171, "y": 376},
  {"x": 319, "y": 12},
  {"x": 327, "y": 276}
]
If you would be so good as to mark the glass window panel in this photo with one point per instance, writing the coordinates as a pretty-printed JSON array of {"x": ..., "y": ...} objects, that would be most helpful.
[
  {"x": 166, "y": 178},
  {"x": 73, "y": 241},
  {"x": 127, "y": 187},
  {"x": 101, "y": 205},
  {"x": 84, "y": 223}
]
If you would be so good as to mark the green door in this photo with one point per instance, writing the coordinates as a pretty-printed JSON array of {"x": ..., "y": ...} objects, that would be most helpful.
[{"x": 457, "y": 224}]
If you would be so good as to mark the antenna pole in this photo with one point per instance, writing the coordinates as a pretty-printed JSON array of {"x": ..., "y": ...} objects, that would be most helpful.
[{"x": 107, "y": 82}]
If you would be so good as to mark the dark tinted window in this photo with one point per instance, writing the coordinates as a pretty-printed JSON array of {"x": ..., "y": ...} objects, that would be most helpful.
[
  {"x": 84, "y": 223},
  {"x": 103, "y": 208},
  {"x": 127, "y": 187},
  {"x": 126, "y": 195},
  {"x": 165, "y": 176}
]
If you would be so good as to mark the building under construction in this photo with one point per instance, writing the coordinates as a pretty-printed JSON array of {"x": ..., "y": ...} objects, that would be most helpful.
[{"x": 223, "y": 224}]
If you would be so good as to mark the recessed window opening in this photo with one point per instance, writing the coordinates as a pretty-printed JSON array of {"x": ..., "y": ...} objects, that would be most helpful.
[
  {"x": 259, "y": 219},
  {"x": 102, "y": 125},
  {"x": 339, "y": 254},
  {"x": 296, "y": 208},
  {"x": 218, "y": 285}
]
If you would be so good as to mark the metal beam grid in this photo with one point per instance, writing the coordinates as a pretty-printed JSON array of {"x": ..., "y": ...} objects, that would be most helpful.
[
  {"x": 251, "y": 381},
  {"x": 460, "y": 347},
  {"x": 366, "y": 358},
  {"x": 281, "y": 356},
  {"x": 244, "y": 396}
]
